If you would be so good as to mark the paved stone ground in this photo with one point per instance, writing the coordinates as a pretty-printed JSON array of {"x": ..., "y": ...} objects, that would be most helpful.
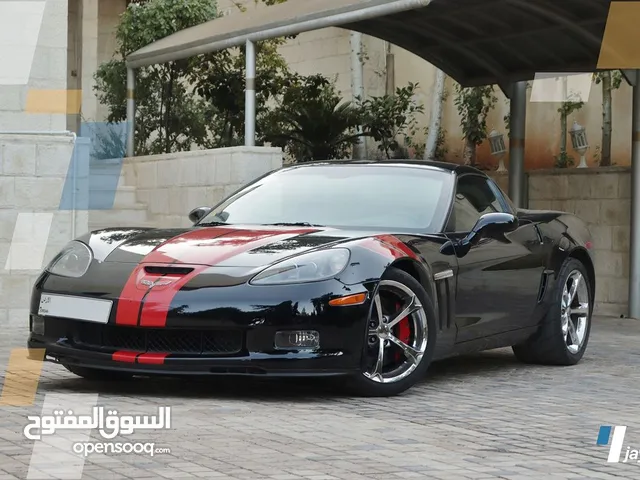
[{"x": 479, "y": 417}]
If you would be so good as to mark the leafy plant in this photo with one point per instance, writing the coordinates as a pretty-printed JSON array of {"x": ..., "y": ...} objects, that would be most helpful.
[
  {"x": 610, "y": 80},
  {"x": 170, "y": 115},
  {"x": 563, "y": 160},
  {"x": 386, "y": 118},
  {"x": 473, "y": 105},
  {"x": 312, "y": 122},
  {"x": 221, "y": 80},
  {"x": 441, "y": 146},
  {"x": 507, "y": 121},
  {"x": 573, "y": 104},
  {"x": 165, "y": 118}
]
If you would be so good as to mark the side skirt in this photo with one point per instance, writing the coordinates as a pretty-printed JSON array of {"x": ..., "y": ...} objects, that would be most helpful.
[{"x": 500, "y": 340}]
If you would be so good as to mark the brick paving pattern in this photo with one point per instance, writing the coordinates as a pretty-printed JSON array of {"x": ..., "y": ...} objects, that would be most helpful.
[{"x": 478, "y": 417}]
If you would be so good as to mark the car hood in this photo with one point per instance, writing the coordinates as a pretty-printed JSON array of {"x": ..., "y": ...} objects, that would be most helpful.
[{"x": 221, "y": 246}]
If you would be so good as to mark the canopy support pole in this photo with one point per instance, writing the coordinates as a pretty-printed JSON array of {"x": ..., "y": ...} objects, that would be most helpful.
[
  {"x": 131, "y": 111},
  {"x": 634, "y": 245},
  {"x": 518, "y": 112},
  {"x": 250, "y": 96}
]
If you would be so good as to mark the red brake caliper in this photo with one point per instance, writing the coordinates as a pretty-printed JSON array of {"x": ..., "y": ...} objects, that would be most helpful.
[{"x": 403, "y": 332}]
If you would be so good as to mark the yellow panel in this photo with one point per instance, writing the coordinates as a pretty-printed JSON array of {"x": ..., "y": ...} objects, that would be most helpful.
[
  {"x": 54, "y": 101},
  {"x": 621, "y": 41},
  {"x": 22, "y": 377}
]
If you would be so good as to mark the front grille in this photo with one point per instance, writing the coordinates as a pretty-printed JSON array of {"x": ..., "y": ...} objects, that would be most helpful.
[{"x": 192, "y": 342}]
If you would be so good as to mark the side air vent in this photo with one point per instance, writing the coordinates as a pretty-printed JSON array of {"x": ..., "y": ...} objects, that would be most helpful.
[
  {"x": 543, "y": 285},
  {"x": 445, "y": 299},
  {"x": 168, "y": 270}
]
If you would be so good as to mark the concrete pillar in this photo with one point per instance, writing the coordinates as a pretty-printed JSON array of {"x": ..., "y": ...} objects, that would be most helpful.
[
  {"x": 634, "y": 246},
  {"x": 250, "y": 97},
  {"x": 89, "y": 59},
  {"x": 518, "y": 107}
]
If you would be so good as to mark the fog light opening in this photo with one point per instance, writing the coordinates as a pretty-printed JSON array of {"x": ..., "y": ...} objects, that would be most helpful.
[
  {"x": 297, "y": 340},
  {"x": 37, "y": 325}
]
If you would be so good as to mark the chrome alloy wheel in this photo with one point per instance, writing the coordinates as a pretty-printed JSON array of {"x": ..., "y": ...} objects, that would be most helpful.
[
  {"x": 574, "y": 311},
  {"x": 397, "y": 333}
]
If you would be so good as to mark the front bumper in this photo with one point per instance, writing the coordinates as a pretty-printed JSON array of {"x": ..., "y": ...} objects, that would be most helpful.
[{"x": 227, "y": 337}]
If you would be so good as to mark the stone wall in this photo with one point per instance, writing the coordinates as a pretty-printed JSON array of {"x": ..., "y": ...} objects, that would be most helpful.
[
  {"x": 161, "y": 190},
  {"x": 602, "y": 198},
  {"x": 36, "y": 219}
]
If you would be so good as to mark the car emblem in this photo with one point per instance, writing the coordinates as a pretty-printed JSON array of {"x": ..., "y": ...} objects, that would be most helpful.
[{"x": 156, "y": 283}]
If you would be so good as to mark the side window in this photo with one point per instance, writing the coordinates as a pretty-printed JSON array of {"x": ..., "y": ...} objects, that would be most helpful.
[{"x": 474, "y": 197}]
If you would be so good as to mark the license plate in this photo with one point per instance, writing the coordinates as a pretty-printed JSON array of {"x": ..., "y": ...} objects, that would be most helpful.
[{"x": 77, "y": 308}]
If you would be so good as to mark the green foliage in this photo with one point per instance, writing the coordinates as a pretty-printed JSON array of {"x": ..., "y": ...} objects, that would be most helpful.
[
  {"x": 573, "y": 104},
  {"x": 474, "y": 105},
  {"x": 169, "y": 118},
  {"x": 441, "y": 146},
  {"x": 312, "y": 122},
  {"x": 616, "y": 78},
  {"x": 388, "y": 117},
  {"x": 507, "y": 120},
  {"x": 109, "y": 146},
  {"x": 220, "y": 81},
  {"x": 570, "y": 106},
  {"x": 563, "y": 160}
]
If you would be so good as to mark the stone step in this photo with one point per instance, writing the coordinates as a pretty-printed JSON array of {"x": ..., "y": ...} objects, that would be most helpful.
[
  {"x": 130, "y": 217},
  {"x": 124, "y": 196}
]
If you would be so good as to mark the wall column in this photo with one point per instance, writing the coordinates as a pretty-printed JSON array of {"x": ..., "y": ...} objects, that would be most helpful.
[{"x": 634, "y": 244}]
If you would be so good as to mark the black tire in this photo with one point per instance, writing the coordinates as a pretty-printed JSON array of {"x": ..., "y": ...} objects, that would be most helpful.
[
  {"x": 97, "y": 374},
  {"x": 548, "y": 345},
  {"x": 360, "y": 385}
]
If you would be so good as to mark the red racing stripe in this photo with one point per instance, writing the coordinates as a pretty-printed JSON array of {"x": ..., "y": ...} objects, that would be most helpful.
[
  {"x": 173, "y": 250},
  {"x": 124, "y": 356},
  {"x": 130, "y": 299},
  {"x": 152, "y": 358},
  {"x": 158, "y": 301},
  {"x": 131, "y": 296}
]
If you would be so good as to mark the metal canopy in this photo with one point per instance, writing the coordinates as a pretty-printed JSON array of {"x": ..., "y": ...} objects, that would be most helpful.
[{"x": 477, "y": 42}]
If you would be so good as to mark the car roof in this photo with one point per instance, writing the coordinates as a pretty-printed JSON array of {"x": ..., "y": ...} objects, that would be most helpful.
[{"x": 443, "y": 166}]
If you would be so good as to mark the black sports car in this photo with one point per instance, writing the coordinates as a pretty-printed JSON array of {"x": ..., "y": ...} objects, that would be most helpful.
[{"x": 366, "y": 270}]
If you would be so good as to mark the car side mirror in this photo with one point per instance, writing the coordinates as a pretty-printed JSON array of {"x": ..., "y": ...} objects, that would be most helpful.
[
  {"x": 490, "y": 225},
  {"x": 199, "y": 213}
]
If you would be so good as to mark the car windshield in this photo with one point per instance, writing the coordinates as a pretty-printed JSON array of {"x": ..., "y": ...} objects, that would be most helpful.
[{"x": 369, "y": 196}]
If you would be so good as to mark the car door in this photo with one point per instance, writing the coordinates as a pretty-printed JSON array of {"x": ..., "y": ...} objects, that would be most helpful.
[{"x": 498, "y": 280}]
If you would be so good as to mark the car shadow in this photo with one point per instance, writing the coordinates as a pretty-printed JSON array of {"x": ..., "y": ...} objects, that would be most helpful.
[{"x": 308, "y": 390}]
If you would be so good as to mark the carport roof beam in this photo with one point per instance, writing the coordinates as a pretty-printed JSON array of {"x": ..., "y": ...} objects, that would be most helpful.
[{"x": 281, "y": 20}]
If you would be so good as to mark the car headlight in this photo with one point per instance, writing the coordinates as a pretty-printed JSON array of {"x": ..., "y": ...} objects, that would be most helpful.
[
  {"x": 308, "y": 267},
  {"x": 72, "y": 261}
]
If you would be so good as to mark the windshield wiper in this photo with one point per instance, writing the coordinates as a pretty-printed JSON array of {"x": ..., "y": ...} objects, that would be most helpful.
[{"x": 294, "y": 224}]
